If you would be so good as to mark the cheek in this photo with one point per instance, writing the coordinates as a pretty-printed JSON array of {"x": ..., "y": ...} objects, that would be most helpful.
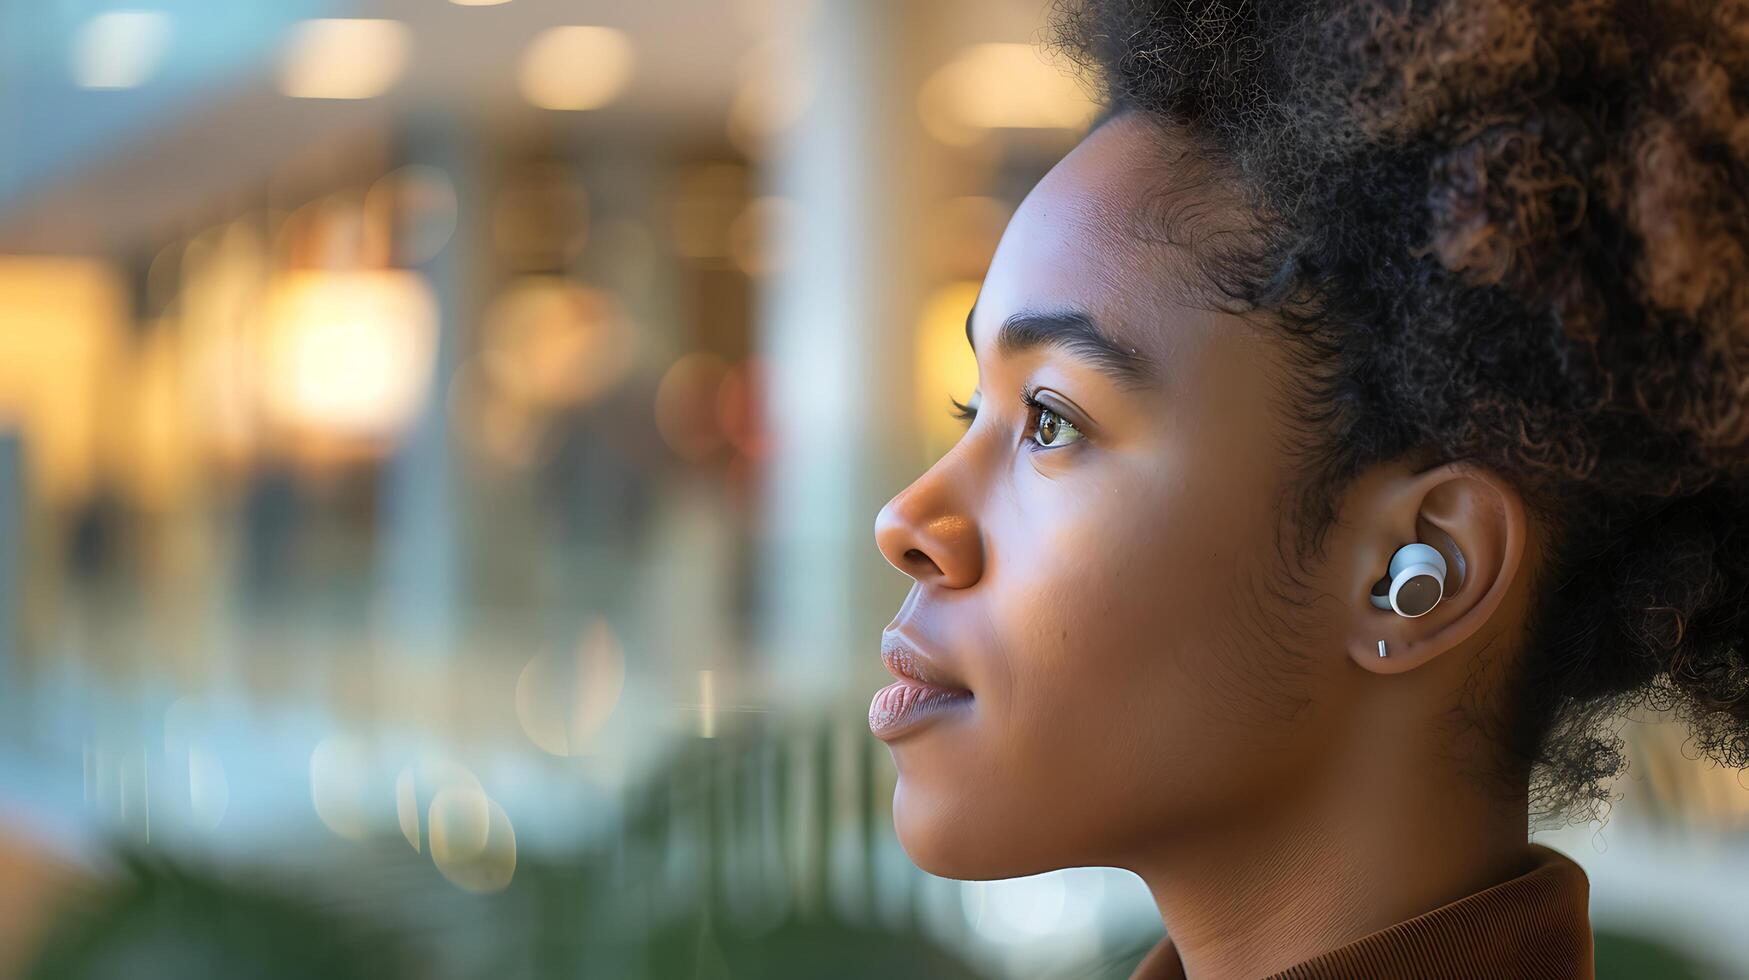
[
  {"x": 1115, "y": 634},
  {"x": 1110, "y": 593}
]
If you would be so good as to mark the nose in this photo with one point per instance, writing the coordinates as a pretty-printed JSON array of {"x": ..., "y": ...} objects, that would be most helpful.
[{"x": 923, "y": 534}]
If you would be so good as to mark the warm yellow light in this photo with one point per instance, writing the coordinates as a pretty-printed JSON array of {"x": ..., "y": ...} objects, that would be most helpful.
[
  {"x": 348, "y": 354},
  {"x": 159, "y": 452},
  {"x": 945, "y": 365},
  {"x": 62, "y": 326},
  {"x": 340, "y": 58},
  {"x": 552, "y": 342},
  {"x": 217, "y": 281},
  {"x": 1000, "y": 86},
  {"x": 120, "y": 49},
  {"x": 576, "y": 67}
]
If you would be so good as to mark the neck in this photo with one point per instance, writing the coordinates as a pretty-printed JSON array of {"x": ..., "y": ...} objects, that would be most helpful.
[{"x": 1382, "y": 839}]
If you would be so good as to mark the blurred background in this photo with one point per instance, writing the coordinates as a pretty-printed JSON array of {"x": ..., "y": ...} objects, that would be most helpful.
[{"x": 439, "y": 449}]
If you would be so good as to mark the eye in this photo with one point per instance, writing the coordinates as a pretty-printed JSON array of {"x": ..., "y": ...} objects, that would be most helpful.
[{"x": 1049, "y": 430}]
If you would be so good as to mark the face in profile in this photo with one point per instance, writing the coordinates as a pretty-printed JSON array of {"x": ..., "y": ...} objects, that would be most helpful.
[{"x": 1096, "y": 562}]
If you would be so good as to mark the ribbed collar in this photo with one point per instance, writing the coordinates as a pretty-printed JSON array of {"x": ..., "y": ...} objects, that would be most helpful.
[{"x": 1535, "y": 925}]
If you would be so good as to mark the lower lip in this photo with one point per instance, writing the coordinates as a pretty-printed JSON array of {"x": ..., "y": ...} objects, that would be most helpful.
[{"x": 904, "y": 704}]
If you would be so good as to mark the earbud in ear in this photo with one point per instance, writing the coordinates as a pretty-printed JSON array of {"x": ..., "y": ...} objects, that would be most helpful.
[{"x": 1415, "y": 582}]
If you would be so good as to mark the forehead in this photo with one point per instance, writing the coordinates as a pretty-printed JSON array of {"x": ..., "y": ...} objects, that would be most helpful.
[{"x": 1083, "y": 239}]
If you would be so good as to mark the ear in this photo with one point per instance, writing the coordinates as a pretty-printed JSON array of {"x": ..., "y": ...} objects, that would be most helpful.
[{"x": 1475, "y": 518}]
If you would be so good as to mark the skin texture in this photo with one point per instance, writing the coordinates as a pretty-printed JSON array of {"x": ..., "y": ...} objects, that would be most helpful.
[{"x": 1153, "y": 689}]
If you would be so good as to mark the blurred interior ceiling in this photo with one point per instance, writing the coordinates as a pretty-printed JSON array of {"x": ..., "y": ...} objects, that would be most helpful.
[{"x": 104, "y": 171}]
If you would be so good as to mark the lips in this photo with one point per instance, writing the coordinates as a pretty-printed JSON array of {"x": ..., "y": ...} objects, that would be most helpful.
[
  {"x": 909, "y": 661},
  {"x": 925, "y": 691}
]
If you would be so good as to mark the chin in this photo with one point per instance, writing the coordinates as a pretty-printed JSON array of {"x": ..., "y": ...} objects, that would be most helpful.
[
  {"x": 924, "y": 824},
  {"x": 949, "y": 840}
]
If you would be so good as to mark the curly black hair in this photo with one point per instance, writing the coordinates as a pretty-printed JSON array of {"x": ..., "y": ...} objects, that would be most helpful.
[{"x": 1513, "y": 232}]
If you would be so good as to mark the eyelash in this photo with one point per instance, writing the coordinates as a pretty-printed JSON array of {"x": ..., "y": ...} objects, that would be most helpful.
[{"x": 968, "y": 414}]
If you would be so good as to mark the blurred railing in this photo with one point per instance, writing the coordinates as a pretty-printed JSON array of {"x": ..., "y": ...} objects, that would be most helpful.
[{"x": 764, "y": 851}]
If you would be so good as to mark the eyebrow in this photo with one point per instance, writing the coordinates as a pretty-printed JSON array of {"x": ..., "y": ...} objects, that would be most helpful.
[{"x": 1076, "y": 334}]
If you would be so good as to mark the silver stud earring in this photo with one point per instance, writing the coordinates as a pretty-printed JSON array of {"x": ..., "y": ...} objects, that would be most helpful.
[{"x": 1381, "y": 648}]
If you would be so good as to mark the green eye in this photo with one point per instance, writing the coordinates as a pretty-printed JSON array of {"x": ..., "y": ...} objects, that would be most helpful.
[{"x": 1053, "y": 430}]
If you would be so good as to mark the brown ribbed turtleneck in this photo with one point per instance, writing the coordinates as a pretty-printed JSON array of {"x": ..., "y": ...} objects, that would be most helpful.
[{"x": 1537, "y": 925}]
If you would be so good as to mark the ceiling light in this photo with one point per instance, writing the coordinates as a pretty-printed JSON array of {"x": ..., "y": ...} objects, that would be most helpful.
[
  {"x": 344, "y": 58},
  {"x": 576, "y": 67},
  {"x": 120, "y": 49},
  {"x": 1001, "y": 86}
]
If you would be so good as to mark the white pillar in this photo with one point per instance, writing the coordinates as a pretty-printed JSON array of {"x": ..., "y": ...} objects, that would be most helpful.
[
  {"x": 419, "y": 574},
  {"x": 836, "y": 324}
]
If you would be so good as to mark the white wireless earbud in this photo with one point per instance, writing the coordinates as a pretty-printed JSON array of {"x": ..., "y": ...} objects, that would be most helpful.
[{"x": 1417, "y": 581}]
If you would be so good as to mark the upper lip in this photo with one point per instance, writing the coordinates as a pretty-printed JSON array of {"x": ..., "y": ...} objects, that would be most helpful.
[{"x": 906, "y": 659}]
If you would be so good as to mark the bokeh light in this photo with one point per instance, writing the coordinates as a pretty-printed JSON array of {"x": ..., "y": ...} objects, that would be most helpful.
[
  {"x": 686, "y": 406},
  {"x": 552, "y": 342},
  {"x": 540, "y": 219},
  {"x": 1001, "y": 86},
  {"x": 341, "y": 785},
  {"x": 945, "y": 365},
  {"x": 563, "y": 699},
  {"x": 459, "y": 823},
  {"x": 472, "y": 841},
  {"x": 741, "y": 408},
  {"x": 347, "y": 354},
  {"x": 771, "y": 95},
  {"x": 504, "y": 431},
  {"x": 345, "y": 58},
  {"x": 121, "y": 48},
  {"x": 61, "y": 327},
  {"x": 760, "y": 233},
  {"x": 407, "y": 808},
  {"x": 576, "y": 67},
  {"x": 421, "y": 200}
]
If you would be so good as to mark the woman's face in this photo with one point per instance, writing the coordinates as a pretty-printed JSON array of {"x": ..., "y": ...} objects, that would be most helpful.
[{"x": 1099, "y": 573}]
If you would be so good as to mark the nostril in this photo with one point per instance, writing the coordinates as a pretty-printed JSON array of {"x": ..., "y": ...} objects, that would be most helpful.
[{"x": 919, "y": 560}]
